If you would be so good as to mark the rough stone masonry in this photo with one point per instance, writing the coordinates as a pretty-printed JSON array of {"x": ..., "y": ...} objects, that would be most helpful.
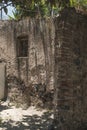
[
  {"x": 70, "y": 71},
  {"x": 27, "y": 48}
]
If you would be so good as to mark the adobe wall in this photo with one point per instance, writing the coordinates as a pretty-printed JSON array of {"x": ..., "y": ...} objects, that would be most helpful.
[{"x": 70, "y": 71}]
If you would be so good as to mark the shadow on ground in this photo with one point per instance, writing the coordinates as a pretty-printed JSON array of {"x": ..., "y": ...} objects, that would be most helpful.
[
  {"x": 3, "y": 108},
  {"x": 34, "y": 122}
]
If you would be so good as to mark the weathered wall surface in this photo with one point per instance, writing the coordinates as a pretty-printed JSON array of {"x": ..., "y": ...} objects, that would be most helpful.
[
  {"x": 68, "y": 35},
  {"x": 70, "y": 70},
  {"x": 37, "y": 67},
  {"x": 2, "y": 81},
  {"x": 7, "y": 47},
  {"x": 40, "y": 50}
]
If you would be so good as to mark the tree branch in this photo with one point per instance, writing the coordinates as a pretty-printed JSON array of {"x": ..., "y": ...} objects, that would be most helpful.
[{"x": 5, "y": 6}]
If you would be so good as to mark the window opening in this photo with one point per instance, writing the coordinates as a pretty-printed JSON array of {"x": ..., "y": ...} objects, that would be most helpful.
[{"x": 22, "y": 47}]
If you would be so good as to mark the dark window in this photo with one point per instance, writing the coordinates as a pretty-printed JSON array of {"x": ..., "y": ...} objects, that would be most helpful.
[{"x": 22, "y": 47}]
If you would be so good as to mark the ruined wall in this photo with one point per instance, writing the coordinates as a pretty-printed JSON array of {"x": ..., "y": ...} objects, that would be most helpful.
[
  {"x": 7, "y": 47},
  {"x": 70, "y": 70},
  {"x": 37, "y": 67},
  {"x": 40, "y": 50},
  {"x": 68, "y": 34}
]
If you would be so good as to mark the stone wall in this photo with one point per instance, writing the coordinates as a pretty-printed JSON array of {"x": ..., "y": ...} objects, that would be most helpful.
[
  {"x": 70, "y": 70},
  {"x": 40, "y": 50},
  {"x": 7, "y": 47},
  {"x": 37, "y": 67},
  {"x": 25, "y": 75},
  {"x": 66, "y": 35}
]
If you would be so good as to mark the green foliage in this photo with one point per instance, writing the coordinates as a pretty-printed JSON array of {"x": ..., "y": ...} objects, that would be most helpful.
[
  {"x": 34, "y": 8},
  {"x": 78, "y": 3},
  {"x": 16, "y": 15}
]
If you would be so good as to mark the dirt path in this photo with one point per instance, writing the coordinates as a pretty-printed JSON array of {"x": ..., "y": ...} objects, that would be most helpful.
[{"x": 12, "y": 118}]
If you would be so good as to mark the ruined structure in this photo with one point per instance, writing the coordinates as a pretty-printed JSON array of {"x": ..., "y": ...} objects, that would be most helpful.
[
  {"x": 70, "y": 71},
  {"x": 27, "y": 49}
]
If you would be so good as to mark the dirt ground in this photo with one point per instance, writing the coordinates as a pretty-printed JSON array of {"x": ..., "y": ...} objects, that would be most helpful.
[{"x": 12, "y": 118}]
